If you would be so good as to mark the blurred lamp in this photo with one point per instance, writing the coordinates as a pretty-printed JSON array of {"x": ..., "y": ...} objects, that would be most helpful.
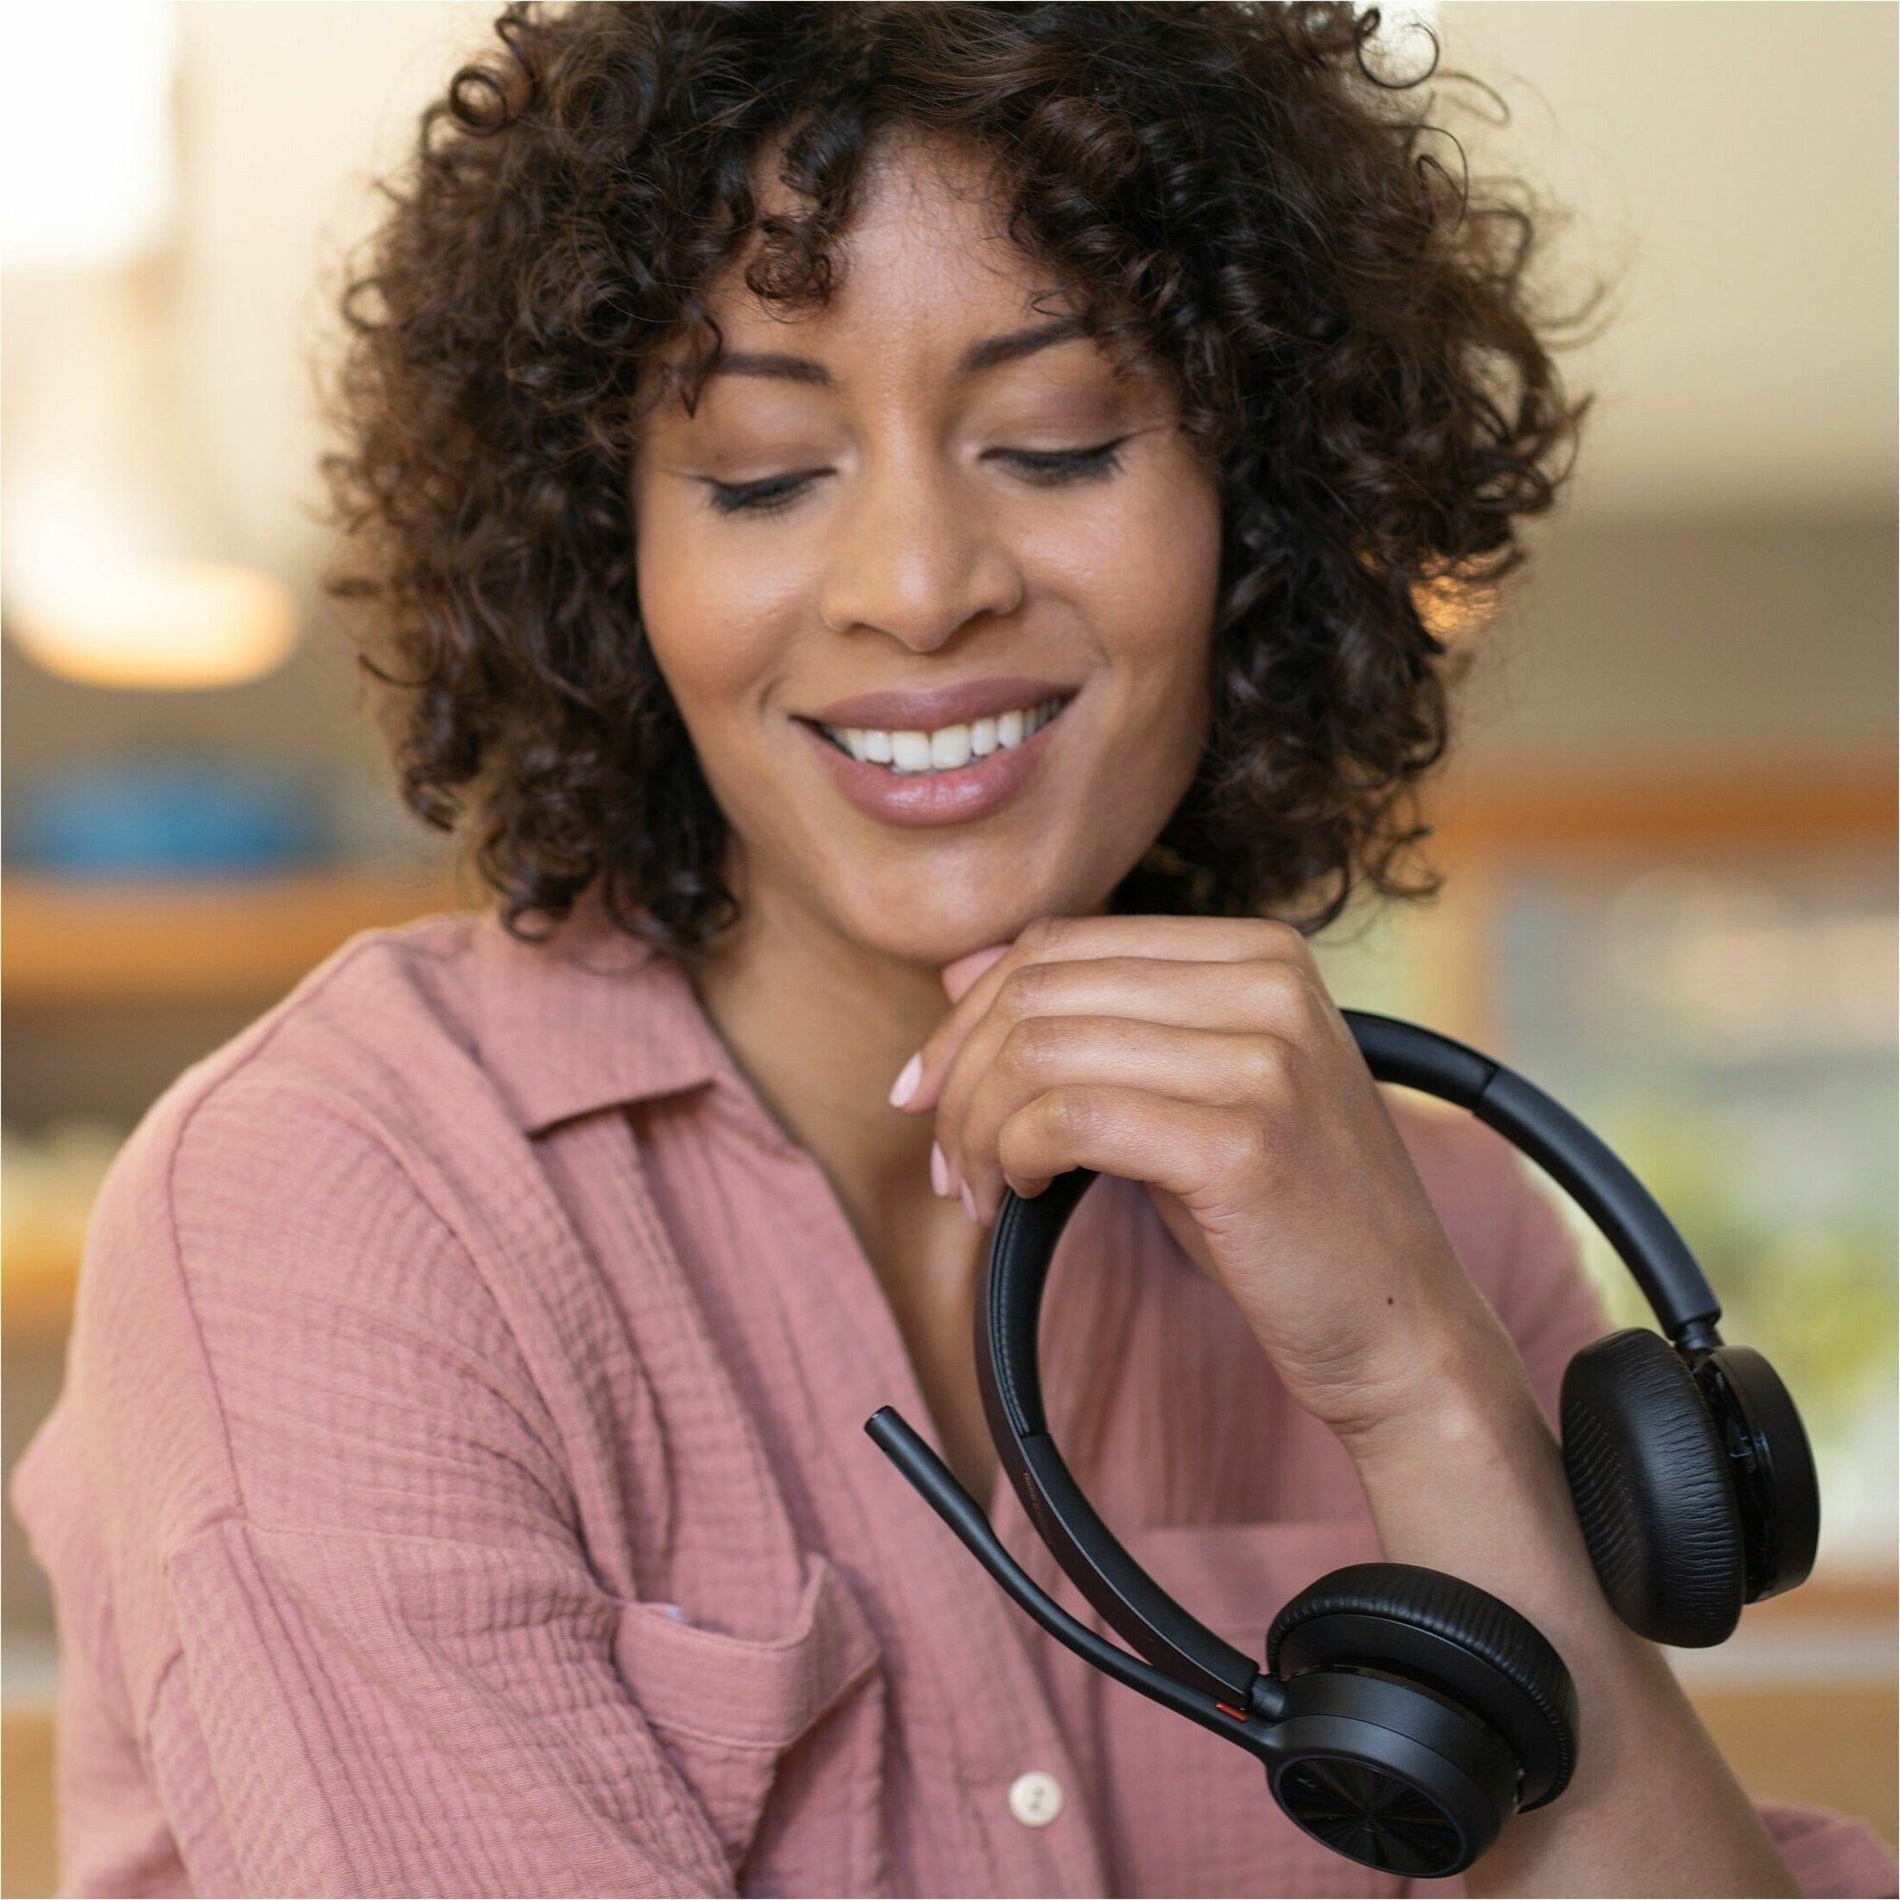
[
  {"x": 108, "y": 575},
  {"x": 88, "y": 601},
  {"x": 113, "y": 540}
]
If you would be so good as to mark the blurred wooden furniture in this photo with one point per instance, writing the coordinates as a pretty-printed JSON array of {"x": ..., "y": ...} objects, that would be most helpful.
[
  {"x": 1829, "y": 1740},
  {"x": 1827, "y": 1744},
  {"x": 71, "y": 942},
  {"x": 1689, "y": 804}
]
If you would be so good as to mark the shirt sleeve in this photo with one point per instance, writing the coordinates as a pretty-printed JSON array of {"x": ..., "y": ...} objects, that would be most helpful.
[
  {"x": 1552, "y": 1310},
  {"x": 377, "y": 1658}
]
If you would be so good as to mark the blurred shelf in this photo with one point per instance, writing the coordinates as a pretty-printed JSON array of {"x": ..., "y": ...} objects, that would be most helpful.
[
  {"x": 1514, "y": 807},
  {"x": 72, "y": 942}
]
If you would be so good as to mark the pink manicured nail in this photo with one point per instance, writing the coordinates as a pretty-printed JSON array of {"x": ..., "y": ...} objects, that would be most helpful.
[
  {"x": 939, "y": 1170},
  {"x": 969, "y": 1204},
  {"x": 907, "y": 1079}
]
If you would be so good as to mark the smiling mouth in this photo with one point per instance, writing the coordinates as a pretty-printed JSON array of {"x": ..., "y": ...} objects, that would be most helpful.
[{"x": 947, "y": 749}]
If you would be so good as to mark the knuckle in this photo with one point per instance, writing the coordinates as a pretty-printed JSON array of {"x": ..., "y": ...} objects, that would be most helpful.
[
  {"x": 1019, "y": 992},
  {"x": 1281, "y": 939},
  {"x": 1017, "y": 1148},
  {"x": 1029, "y": 1046},
  {"x": 1074, "y": 1111},
  {"x": 1287, "y": 992},
  {"x": 1270, "y": 1061}
]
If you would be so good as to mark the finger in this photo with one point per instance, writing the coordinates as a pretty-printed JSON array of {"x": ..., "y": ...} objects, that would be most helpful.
[
  {"x": 1213, "y": 1067},
  {"x": 1187, "y": 1148},
  {"x": 1056, "y": 939},
  {"x": 960, "y": 974},
  {"x": 1262, "y": 996}
]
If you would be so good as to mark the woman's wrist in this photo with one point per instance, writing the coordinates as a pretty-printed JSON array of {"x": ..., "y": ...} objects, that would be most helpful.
[{"x": 1459, "y": 1390}]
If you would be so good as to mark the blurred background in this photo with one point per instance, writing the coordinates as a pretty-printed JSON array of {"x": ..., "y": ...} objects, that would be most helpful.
[{"x": 1669, "y": 833}]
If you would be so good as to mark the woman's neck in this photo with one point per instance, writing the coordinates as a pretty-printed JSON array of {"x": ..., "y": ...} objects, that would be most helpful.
[{"x": 820, "y": 1029}]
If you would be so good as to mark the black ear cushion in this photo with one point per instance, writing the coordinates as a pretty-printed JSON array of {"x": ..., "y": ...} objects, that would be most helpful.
[
  {"x": 1650, "y": 1481},
  {"x": 1454, "y": 1637}
]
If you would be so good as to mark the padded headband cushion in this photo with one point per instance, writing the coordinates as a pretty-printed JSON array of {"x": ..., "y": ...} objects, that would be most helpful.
[{"x": 1649, "y": 1477}]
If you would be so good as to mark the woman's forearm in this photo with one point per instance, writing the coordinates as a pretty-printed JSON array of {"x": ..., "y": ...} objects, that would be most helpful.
[{"x": 1476, "y": 1487}]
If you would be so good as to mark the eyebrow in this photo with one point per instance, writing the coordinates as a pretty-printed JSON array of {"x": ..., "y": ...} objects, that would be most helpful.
[{"x": 979, "y": 356}]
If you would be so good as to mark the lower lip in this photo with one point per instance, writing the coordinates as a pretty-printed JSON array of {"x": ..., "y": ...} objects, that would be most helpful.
[{"x": 939, "y": 798}]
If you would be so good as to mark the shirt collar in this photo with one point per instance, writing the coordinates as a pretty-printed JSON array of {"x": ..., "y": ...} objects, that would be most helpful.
[{"x": 589, "y": 1018}]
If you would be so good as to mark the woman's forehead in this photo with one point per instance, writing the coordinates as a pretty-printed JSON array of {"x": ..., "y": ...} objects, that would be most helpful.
[{"x": 925, "y": 282}]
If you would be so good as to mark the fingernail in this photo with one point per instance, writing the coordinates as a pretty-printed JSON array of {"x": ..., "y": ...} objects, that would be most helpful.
[
  {"x": 907, "y": 1079},
  {"x": 969, "y": 1204},
  {"x": 939, "y": 1170}
]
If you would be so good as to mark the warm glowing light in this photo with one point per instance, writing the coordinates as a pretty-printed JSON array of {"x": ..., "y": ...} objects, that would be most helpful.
[
  {"x": 101, "y": 588},
  {"x": 167, "y": 624}
]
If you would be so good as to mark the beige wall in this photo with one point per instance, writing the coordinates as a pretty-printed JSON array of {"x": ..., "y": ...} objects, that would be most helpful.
[{"x": 1626, "y": 643}]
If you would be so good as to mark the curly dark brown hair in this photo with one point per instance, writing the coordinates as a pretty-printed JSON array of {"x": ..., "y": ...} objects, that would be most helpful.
[{"x": 1231, "y": 188}]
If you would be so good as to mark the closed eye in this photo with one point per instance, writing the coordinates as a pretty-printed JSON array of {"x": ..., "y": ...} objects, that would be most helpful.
[{"x": 1046, "y": 468}]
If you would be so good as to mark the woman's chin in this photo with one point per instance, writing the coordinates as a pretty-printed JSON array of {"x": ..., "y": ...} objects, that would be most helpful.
[{"x": 922, "y": 924}]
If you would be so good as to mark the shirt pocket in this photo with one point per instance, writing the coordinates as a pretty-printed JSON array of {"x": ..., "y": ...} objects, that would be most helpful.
[
  {"x": 1190, "y": 1813},
  {"x": 741, "y": 1716}
]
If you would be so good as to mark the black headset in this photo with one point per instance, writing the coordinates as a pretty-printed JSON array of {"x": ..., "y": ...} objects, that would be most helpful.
[{"x": 1405, "y": 1715}]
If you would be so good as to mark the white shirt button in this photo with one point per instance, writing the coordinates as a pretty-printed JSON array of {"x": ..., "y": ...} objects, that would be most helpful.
[{"x": 1035, "y": 1799}]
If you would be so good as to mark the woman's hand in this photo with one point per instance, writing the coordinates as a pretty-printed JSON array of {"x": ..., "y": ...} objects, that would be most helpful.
[{"x": 1204, "y": 1058}]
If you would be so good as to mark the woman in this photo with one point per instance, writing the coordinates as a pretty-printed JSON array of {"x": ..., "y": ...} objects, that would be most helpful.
[{"x": 870, "y": 507}]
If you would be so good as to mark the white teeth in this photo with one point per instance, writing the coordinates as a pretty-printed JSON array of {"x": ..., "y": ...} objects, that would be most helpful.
[{"x": 949, "y": 746}]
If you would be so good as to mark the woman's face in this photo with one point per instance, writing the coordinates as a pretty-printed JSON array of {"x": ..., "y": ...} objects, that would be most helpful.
[{"x": 868, "y": 506}]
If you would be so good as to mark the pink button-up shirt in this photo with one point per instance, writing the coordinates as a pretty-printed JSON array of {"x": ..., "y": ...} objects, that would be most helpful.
[{"x": 460, "y": 1483}]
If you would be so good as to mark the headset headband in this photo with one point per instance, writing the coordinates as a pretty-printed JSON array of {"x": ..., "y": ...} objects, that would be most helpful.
[{"x": 1024, "y": 1243}]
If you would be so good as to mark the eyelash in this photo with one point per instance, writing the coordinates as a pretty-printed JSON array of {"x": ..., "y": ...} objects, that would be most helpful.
[{"x": 1059, "y": 466}]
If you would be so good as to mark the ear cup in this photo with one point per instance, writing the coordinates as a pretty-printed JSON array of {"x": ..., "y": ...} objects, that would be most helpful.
[
  {"x": 1453, "y": 1638},
  {"x": 1649, "y": 1476},
  {"x": 1770, "y": 1463},
  {"x": 1389, "y": 1773}
]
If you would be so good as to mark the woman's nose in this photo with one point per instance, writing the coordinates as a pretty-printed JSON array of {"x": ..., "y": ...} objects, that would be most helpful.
[{"x": 916, "y": 553}]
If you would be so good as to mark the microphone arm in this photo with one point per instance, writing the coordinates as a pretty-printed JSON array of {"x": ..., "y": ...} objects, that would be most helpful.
[{"x": 941, "y": 1491}]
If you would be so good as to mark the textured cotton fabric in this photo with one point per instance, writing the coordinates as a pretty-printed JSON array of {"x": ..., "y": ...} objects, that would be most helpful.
[{"x": 460, "y": 1483}]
